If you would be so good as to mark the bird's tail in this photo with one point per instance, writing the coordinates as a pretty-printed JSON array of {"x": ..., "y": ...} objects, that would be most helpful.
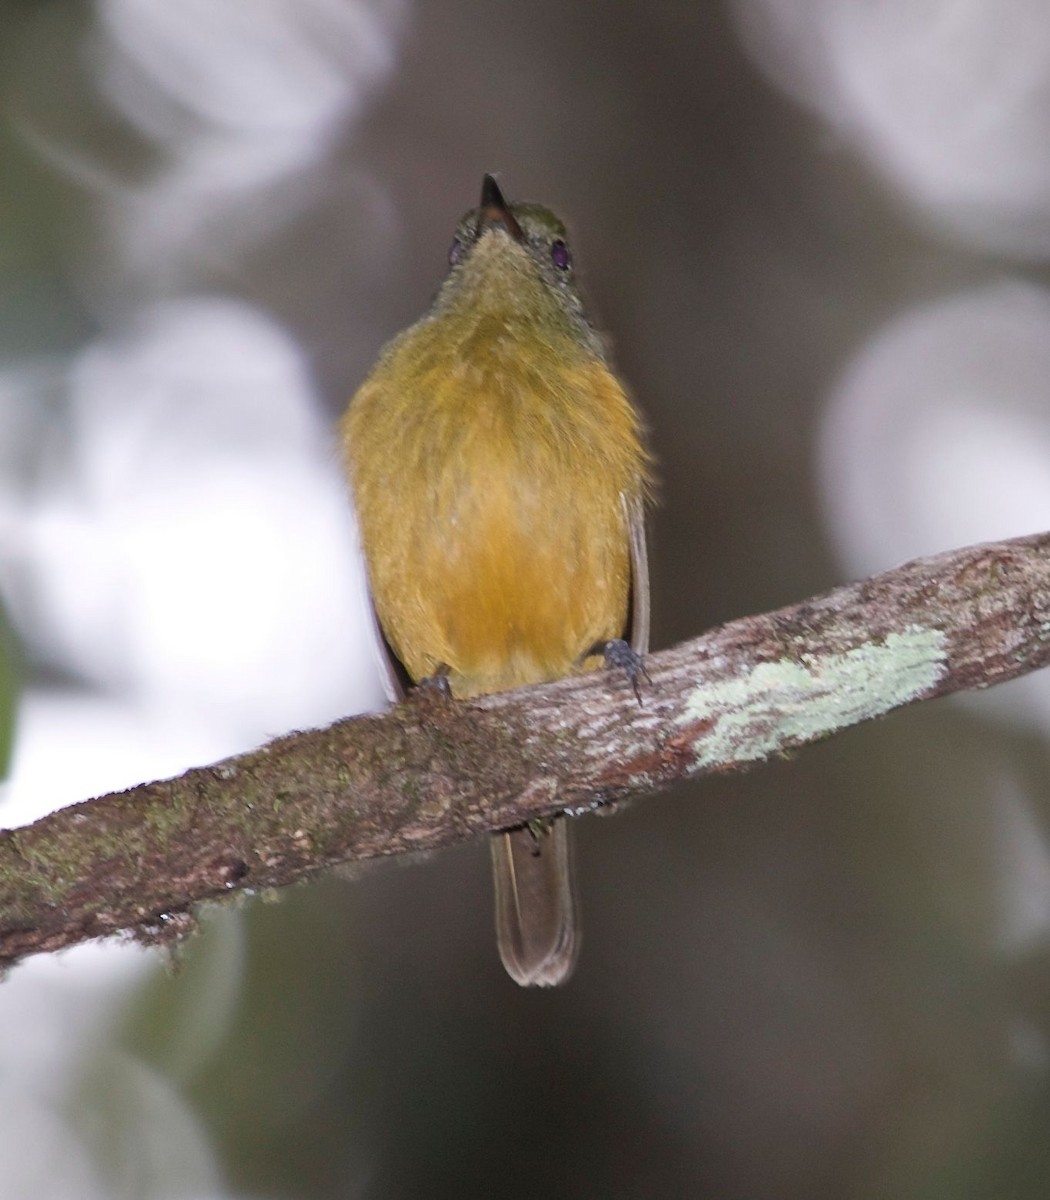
[{"x": 536, "y": 919}]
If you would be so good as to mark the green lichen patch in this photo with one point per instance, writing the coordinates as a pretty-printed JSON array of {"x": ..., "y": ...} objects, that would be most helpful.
[{"x": 796, "y": 700}]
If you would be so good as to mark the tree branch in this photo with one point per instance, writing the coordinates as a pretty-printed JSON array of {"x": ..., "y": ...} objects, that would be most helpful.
[{"x": 432, "y": 772}]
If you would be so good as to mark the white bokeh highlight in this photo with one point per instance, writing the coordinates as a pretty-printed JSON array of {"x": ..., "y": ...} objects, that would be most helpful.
[
  {"x": 243, "y": 146},
  {"x": 948, "y": 101},
  {"x": 176, "y": 543},
  {"x": 58, "y": 1013},
  {"x": 192, "y": 551},
  {"x": 938, "y": 436}
]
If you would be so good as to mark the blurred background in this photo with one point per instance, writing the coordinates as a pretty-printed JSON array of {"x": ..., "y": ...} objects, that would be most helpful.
[{"x": 818, "y": 232}]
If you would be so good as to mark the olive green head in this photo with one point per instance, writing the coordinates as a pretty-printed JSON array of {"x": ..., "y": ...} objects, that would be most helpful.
[{"x": 516, "y": 258}]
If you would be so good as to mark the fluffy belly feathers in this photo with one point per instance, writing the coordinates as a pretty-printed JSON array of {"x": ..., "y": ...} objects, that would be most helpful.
[{"x": 497, "y": 541}]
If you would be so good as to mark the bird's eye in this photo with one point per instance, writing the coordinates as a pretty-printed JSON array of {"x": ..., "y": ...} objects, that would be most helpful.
[
  {"x": 455, "y": 252},
  {"x": 560, "y": 255}
]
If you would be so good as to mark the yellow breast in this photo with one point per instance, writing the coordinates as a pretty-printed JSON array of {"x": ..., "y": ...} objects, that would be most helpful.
[{"x": 488, "y": 475}]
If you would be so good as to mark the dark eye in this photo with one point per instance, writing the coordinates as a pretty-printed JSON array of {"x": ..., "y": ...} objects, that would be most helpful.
[
  {"x": 455, "y": 252},
  {"x": 560, "y": 255}
]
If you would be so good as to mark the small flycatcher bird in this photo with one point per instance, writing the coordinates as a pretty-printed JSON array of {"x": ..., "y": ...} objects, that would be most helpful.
[{"x": 499, "y": 474}]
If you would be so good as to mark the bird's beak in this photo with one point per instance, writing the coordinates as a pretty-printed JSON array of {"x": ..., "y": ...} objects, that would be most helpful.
[{"x": 494, "y": 210}]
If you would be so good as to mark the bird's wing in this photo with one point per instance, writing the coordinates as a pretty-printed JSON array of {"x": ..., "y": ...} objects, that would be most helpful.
[
  {"x": 638, "y": 614},
  {"x": 396, "y": 680}
]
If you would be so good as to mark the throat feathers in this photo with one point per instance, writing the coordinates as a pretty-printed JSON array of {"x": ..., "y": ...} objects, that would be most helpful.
[{"x": 499, "y": 475}]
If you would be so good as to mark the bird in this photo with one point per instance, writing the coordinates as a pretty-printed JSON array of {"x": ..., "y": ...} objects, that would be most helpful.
[{"x": 500, "y": 476}]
